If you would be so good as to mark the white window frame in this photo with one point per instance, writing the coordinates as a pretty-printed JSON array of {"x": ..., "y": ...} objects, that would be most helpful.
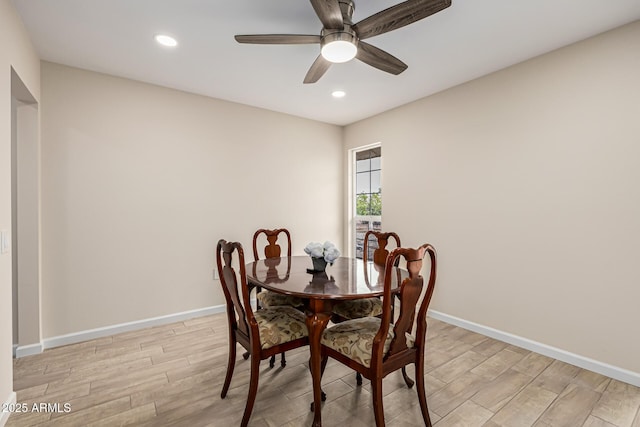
[{"x": 351, "y": 210}]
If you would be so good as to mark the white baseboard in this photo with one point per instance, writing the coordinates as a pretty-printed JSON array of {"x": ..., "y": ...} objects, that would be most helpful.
[
  {"x": 92, "y": 334},
  {"x": 602, "y": 368},
  {"x": 4, "y": 416},
  {"x": 28, "y": 350}
]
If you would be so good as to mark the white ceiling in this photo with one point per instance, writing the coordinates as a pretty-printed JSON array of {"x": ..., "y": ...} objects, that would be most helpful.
[{"x": 469, "y": 39}]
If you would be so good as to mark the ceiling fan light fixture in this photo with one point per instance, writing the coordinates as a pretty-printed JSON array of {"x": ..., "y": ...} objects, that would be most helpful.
[{"x": 339, "y": 47}]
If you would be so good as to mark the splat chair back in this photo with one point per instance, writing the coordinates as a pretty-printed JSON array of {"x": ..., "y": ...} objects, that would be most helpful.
[
  {"x": 380, "y": 253},
  {"x": 272, "y": 249},
  {"x": 379, "y": 258},
  {"x": 236, "y": 293},
  {"x": 411, "y": 289}
]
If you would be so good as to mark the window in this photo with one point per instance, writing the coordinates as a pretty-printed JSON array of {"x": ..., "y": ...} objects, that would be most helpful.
[{"x": 367, "y": 195}]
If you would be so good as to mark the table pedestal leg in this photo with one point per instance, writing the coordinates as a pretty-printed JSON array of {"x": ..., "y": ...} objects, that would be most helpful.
[{"x": 316, "y": 322}]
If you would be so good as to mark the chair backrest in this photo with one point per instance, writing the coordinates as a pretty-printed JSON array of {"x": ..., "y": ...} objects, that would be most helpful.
[
  {"x": 236, "y": 291},
  {"x": 273, "y": 249},
  {"x": 381, "y": 252},
  {"x": 410, "y": 290}
]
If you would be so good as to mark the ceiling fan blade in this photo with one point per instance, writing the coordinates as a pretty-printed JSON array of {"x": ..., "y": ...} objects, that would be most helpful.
[
  {"x": 329, "y": 13},
  {"x": 317, "y": 70},
  {"x": 379, "y": 59},
  {"x": 398, "y": 16},
  {"x": 277, "y": 39}
]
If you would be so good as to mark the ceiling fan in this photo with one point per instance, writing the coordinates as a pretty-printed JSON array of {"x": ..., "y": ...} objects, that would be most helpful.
[{"x": 341, "y": 39}]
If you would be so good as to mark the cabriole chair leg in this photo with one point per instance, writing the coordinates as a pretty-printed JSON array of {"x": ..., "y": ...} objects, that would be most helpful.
[{"x": 407, "y": 380}]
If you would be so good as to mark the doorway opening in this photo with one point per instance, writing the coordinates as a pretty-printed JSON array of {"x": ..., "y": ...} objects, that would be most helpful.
[{"x": 25, "y": 219}]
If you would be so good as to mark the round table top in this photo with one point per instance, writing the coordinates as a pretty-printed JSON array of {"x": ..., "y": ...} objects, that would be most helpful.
[{"x": 347, "y": 278}]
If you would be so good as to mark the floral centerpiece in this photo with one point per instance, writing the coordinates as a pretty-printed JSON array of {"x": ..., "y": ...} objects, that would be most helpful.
[{"x": 321, "y": 254}]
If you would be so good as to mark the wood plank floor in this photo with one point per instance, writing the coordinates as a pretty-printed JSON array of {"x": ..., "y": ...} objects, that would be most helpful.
[{"x": 172, "y": 376}]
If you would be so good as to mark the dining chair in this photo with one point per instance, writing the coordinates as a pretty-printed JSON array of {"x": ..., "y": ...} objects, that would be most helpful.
[
  {"x": 368, "y": 307},
  {"x": 273, "y": 250},
  {"x": 377, "y": 346},
  {"x": 264, "y": 332},
  {"x": 266, "y": 298}
]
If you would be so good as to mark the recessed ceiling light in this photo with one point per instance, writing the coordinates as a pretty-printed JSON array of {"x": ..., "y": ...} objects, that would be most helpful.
[
  {"x": 166, "y": 40},
  {"x": 338, "y": 93}
]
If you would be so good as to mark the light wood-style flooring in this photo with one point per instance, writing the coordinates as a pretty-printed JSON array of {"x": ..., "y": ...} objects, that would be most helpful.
[{"x": 172, "y": 375}]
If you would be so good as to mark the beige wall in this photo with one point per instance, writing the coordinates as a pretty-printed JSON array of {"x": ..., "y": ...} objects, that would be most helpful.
[
  {"x": 139, "y": 182},
  {"x": 16, "y": 52},
  {"x": 526, "y": 181}
]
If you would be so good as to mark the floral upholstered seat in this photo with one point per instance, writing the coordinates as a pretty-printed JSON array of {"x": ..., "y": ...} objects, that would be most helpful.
[
  {"x": 279, "y": 325},
  {"x": 356, "y": 309},
  {"x": 354, "y": 338},
  {"x": 274, "y": 299}
]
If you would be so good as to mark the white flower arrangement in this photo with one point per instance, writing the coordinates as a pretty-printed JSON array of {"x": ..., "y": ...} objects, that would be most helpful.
[{"x": 328, "y": 251}]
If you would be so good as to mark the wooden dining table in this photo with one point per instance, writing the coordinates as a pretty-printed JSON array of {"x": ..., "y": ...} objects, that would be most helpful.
[{"x": 346, "y": 279}]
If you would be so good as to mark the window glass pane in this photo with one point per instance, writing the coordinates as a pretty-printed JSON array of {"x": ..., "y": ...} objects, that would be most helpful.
[
  {"x": 363, "y": 204},
  {"x": 376, "y": 186},
  {"x": 375, "y": 163},
  {"x": 363, "y": 184},
  {"x": 363, "y": 165},
  {"x": 376, "y": 204}
]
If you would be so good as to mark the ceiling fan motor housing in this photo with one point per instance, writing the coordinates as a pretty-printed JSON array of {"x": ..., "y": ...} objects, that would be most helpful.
[{"x": 346, "y": 34}]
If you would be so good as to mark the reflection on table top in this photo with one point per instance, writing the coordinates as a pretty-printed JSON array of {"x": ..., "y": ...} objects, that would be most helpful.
[{"x": 347, "y": 278}]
